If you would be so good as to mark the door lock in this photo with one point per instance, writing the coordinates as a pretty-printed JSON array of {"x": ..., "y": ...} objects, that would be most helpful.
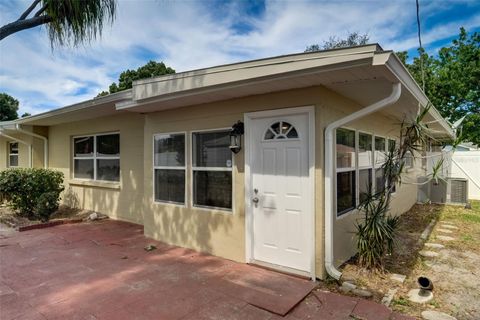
[{"x": 255, "y": 200}]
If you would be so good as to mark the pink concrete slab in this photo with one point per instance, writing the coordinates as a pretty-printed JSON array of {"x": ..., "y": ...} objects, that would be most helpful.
[
  {"x": 398, "y": 316},
  {"x": 335, "y": 306},
  {"x": 227, "y": 308},
  {"x": 101, "y": 271},
  {"x": 366, "y": 309}
]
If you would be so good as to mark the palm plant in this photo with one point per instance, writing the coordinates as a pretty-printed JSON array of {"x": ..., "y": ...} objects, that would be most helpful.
[
  {"x": 377, "y": 229},
  {"x": 67, "y": 21}
]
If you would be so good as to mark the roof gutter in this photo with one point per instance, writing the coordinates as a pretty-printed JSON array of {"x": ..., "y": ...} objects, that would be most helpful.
[
  {"x": 22, "y": 142},
  {"x": 45, "y": 142},
  {"x": 329, "y": 179}
]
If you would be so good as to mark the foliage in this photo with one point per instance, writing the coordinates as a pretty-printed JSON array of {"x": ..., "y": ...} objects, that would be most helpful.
[
  {"x": 376, "y": 232},
  {"x": 452, "y": 81},
  {"x": 33, "y": 192},
  {"x": 67, "y": 21},
  {"x": 26, "y": 114},
  {"x": 353, "y": 39},
  {"x": 149, "y": 70},
  {"x": 8, "y": 107},
  {"x": 47, "y": 204}
]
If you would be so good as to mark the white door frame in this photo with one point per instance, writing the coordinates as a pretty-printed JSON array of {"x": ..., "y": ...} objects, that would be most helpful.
[{"x": 248, "y": 117}]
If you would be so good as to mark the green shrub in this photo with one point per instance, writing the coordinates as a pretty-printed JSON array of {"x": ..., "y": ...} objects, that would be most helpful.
[
  {"x": 47, "y": 204},
  {"x": 33, "y": 192}
]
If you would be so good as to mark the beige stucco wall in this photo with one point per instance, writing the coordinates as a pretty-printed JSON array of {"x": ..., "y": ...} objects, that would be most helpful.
[
  {"x": 222, "y": 233},
  {"x": 218, "y": 232},
  {"x": 23, "y": 156},
  {"x": 123, "y": 201},
  {"x": 3, "y": 153},
  {"x": 404, "y": 198}
]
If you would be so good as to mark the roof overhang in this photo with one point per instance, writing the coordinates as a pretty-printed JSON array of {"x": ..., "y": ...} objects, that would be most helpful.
[
  {"x": 363, "y": 74},
  {"x": 90, "y": 109}
]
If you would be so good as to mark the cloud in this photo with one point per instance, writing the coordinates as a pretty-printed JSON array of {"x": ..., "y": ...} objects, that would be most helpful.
[{"x": 193, "y": 34}]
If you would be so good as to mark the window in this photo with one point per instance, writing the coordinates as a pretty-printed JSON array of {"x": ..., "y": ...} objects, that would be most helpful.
[
  {"x": 379, "y": 180},
  {"x": 359, "y": 168},
  {"x": 391, "y": 145},
  {"x": 391, "y": 148},
  {"x": 281, "y": 130},
  {"x": 365, "y": 165},
  {"x": 408, "y": 160},
  {"x": 380, "y": 150},
  {"x": 97, "y": 157},
  {"x": 212, "y": 169},
  {"x": 169, "y": 168},
  {"x": 13, "y": 154},
  {"x": 346, "y": 185}
]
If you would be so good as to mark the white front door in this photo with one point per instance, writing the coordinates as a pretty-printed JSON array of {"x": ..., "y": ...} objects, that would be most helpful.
[{"x": 280, "y": 190}]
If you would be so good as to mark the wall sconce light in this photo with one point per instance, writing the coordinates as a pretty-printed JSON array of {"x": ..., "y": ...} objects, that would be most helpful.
[{"x": 236, "y": 137}]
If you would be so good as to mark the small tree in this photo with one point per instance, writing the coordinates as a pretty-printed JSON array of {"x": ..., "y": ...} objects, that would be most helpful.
[
  {"x": 126, "y": 78},
  {"x": 8, "y": 107},
  {"x": 67, "y": 21},
  {"x": 353, "y": 39}
]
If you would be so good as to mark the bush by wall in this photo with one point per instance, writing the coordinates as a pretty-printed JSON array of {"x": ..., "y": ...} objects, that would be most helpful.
[{"x": 33, "y": 192}]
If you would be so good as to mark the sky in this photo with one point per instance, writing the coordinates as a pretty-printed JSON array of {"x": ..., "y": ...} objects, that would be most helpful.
[{"x": 194, "y": 34}]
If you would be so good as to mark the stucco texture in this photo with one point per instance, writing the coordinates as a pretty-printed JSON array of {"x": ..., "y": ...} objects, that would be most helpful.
[
  {"x": 123, "y": 200},
  {"x": 214, "y": 231}
]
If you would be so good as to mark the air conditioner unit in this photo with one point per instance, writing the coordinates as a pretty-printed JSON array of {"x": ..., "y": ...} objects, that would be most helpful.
[{"x": 454, "y": 190}]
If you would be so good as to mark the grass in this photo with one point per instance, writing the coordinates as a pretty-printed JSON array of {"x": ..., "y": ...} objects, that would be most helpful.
[{"x": 401, "y": 301}]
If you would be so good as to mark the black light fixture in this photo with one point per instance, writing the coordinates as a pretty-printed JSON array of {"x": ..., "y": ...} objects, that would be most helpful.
[{"x": 236, "y": 137}]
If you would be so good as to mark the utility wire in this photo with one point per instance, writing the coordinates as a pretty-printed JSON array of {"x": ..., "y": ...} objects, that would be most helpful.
[{"x": 420, "y": 45}]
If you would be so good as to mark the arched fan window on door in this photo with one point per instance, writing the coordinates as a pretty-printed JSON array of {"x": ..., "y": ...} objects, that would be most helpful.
[{"x": 281, "y": 130}]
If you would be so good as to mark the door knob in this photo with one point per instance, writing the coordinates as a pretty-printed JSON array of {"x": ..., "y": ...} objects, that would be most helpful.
[{"x": 255, "y": 200}]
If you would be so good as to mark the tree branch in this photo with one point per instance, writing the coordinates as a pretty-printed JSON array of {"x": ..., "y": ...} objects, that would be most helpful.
[
  {"x": 29, "y": 9},
  {"x": 20, "y": 25},
  {"x": 42, "y": 9}
]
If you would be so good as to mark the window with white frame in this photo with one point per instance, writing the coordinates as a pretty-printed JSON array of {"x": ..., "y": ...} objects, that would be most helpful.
[
  {"x": 13, "y": 154},
  {"x": 380, "y": 149},
  {"x": 345, "y": 168},
  {"x": 408, "y": 160},
  {"x": 169, "y": 167},
  {"x": 391, "y": 146},
  {"x": 212, "y": 169},
  {"x": 365, "y": 165},
  {"x": 97, "y": 157}
]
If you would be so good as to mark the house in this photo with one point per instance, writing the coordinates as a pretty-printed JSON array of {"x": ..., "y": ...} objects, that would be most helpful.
[{"x": 315, "y": 129}]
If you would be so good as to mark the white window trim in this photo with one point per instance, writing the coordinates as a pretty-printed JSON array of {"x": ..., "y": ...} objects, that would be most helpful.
[
  {"x": 94, "y": 157},
  {"x": 13, "y": 154},
  {"x": 195, "y": 168},
  {"x": 378, "y": 165},
  {"x": 286, "y": 138},
  {"x": 374, "y": 166},
  {"x": 346, "y": 212},
  {"x": 173, "y": 203},
  {"x": 371, "y": 166}
]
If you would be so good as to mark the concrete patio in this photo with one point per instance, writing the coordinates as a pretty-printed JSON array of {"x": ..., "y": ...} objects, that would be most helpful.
[{"x": 101, "y": 271}]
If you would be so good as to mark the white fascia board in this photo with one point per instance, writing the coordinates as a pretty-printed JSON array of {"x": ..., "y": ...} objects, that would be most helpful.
[
  {"x": 235, "y": 81},
  {"x": 111, "y": 98}
]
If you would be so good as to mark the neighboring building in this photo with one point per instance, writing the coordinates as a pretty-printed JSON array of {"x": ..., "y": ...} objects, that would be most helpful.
[{"x": 158, "y": 154}]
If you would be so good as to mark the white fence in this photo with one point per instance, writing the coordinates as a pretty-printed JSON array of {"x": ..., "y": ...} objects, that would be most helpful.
[{"x": 466, "y": 164}]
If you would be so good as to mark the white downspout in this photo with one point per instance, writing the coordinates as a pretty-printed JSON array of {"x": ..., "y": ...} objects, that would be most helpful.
[
  {"x": 45, "y": 143},
  {"x": 30, "y": 164},
  {"x": 329, "y": 163}
]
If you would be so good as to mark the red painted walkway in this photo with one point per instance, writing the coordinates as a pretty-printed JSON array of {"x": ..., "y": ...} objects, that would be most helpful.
[{"x": 100, "y": 271}]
